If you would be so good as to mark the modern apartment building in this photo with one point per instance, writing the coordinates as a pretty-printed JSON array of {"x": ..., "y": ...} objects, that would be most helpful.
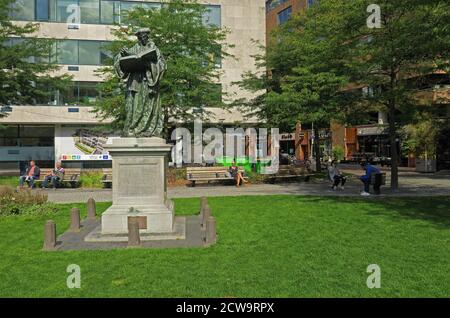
[{"x": 49, "y": 130}]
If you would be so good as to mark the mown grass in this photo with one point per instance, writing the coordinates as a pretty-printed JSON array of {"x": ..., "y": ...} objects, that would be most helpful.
[
  {"x": 9, "y": 181},
  {"x": 268, "y": 246}
]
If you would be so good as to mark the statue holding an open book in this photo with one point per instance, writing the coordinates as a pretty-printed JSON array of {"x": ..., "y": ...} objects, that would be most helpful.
[{"x": 142, "y": 67}]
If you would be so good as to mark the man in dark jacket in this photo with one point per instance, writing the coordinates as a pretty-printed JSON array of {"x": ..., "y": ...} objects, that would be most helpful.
[{"x": 33, "y": 173}]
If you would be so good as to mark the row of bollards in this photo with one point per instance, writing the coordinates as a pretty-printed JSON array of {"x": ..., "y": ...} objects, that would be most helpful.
[
  {"x": 208, "y": 223},
  {"x": 75, "y": 225},
  {"x": 207, "y": 226}
]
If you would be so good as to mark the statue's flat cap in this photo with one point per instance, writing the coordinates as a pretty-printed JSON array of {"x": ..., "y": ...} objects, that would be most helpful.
[{"x": 142, "y": 30}]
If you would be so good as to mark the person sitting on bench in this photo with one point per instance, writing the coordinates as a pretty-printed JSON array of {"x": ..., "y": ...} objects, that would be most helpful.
[
  {"x": 55, "y": 177},
  {"x": 33, "y": 173},
  {"x": 336, "y": 176},
  {"x": 366, "y": 179},
  {"x": 235, "y": 173}
]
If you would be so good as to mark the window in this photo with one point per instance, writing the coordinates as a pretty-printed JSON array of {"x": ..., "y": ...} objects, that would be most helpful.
[
  {"x": 23, "y": 10},
  {"x": 87, "y": 93},
  {"x": 42, "y": 10},
  {"x": 67, "y": 52},
  {"x": 92, "y": 11},
  {"x": 212, "y": 16},
  {"x": 89, "y": 11},
  {"x": 151, "y": 5},
  {"x": 82, "y": 52},
  {"x": 36, "y": 136},
  {"x": 109, "y": 12},
  {"x": 284, "y": 15},
  {"x": 75, "y": 94},
  {"x": 216, "y": 94},
  {"x": 9, "y": 136},
  {"x": 62, "y": 7},
  {"x": 272, "y": 4},
  {"x": 89, "y": 52},
  {"x": 105, "y": 55},
  {"x": 125, "y": 7}
]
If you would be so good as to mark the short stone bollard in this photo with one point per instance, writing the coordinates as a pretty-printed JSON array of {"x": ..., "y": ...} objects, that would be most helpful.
[
  {"x": 49, "y": 236},
  {"x": 91, "y": 210},
  {"x": 75, "y": 220},
  {"x": 211, "y": 235},
  {"x": 134, "y": 239},
  {"x": 205, "y": 216}
]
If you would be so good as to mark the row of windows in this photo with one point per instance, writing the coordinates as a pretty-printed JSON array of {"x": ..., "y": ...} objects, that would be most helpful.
[
  {"x": 76, "y": 94},
  {"x": 73, "y": 52},
  {"x": 91, "y": 11},
  {"x": 26, "y": 136},
  {"x": 27, "y": 142},
  {"x": 81, "y": 52},
  {"x": 87, "y": 93}
]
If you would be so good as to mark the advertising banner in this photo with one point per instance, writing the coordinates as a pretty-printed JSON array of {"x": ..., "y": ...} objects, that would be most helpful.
[{"x": 81, "y": 143}]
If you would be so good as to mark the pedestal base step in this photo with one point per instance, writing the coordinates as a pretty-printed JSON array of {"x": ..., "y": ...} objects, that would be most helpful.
[{"x": 179, "y": 233}]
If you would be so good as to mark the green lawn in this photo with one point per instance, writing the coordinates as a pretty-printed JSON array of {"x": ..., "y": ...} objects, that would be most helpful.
[
  {"x": 9, "y": 181},
  {"x": 268, "y": 247}
]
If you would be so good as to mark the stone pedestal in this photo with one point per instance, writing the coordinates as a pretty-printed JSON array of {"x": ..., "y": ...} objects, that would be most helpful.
[{"x": 139, "y": 187}]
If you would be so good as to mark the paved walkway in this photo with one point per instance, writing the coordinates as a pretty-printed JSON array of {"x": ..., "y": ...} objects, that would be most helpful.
[{"x": 411, "y": 184}]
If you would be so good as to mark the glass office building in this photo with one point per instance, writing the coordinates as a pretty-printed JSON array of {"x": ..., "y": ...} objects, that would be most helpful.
[{"x": 81, "y": 50}]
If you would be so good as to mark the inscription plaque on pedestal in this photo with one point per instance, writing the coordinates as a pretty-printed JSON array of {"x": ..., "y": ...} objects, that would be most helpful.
[{"x": 142, "y": 221}]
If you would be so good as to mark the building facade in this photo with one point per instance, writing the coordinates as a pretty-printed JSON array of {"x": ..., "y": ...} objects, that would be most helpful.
[
  {"x": 41, "y": 131},
  {"x": 279, "y": 11}
]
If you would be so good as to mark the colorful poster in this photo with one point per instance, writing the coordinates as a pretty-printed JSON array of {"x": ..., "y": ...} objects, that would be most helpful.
[{"x": 81, "y": 143}]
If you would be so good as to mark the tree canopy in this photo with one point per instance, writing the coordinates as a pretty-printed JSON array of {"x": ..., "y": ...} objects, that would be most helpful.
[
  {"x": 193, "y": 49},
  {"x": 26, "y": 64},
  {"x": 329, "y": 62}
]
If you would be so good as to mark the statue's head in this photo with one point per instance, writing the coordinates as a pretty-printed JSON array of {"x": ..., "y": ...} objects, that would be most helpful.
[{"x": 143, "y": 35}]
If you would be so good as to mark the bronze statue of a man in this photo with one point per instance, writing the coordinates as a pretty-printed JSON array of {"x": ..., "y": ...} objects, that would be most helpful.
[{"x": 141, "y": 67}]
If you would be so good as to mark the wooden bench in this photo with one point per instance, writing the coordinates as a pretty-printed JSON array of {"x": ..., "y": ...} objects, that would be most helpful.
[
  {"x": 71, "y": 176},
  {"x": 107, "y": 177},
  {"x": 289, "y": 173},
  {"x": 194, "y": 174}
]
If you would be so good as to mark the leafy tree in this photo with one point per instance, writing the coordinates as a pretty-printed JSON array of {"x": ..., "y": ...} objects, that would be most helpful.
[
  {"x": 420, "y": 137},
  {"x": 305, "y": 78},
  {"x": 25, "y": 62},
  {"x": 323, "y": 57},
  {"x": 397, "y": 59},
  {"x": 191, "y": 47}
]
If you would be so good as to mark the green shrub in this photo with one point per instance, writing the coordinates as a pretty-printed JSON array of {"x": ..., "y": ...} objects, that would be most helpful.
[
  {"x": 91, "y": 179},
  {"x": 23, "y": 196},
  {"x": 12, "y": 209},
  {"x": 338, "y": 153},
  {"x": 24, "y": 201}
]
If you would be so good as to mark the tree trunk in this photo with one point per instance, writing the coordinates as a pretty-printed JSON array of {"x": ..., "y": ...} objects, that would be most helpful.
[
  {"x": 166, "y": 125},
  {"x": 393, "y": 141},
  {"x": 317, "y": 149}
]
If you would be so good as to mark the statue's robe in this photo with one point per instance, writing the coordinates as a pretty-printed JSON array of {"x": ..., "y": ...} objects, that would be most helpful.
[{"x": 145, "y": 117}]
